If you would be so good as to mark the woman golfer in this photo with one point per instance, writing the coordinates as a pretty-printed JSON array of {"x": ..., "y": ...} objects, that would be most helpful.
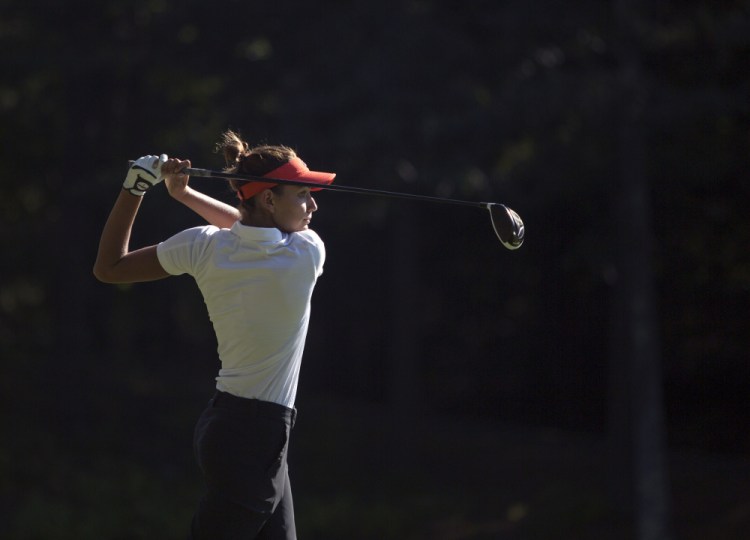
[{"x": 256, "y": 266}]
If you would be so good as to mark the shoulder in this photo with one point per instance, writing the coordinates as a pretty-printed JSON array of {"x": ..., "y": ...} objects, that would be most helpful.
[
  {"x": 310, "y": 240},
  {"x": 315, "y": 247},
  {"x": 309, "y": 236},
  {"x": 190, "y": 239},
  {"x": 194, "y": 234},
  {"x": 188, "y": 250}
]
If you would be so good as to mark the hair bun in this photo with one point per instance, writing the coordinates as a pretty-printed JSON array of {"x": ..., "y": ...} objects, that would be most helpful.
[
  {"x": 239, "y": 161},
  {"x": 232, "y": 147}
]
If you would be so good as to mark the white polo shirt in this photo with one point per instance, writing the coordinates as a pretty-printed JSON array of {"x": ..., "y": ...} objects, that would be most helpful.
[{"x": 257, "y": 284}]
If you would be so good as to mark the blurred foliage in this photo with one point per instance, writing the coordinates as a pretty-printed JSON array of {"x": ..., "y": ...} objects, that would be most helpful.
[{"x": 511, "y": 101}]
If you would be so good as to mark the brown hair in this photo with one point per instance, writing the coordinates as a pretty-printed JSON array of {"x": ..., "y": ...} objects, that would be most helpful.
[{"x": 257, "y": 161}]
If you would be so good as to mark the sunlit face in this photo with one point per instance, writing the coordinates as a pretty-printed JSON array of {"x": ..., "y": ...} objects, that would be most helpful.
[{"x": 293, "y": 208}]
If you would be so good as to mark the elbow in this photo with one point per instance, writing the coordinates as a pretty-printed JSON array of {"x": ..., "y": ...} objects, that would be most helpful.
[
  {"x": 103, "y": 275},
  {"x": 99, "y": 275}
]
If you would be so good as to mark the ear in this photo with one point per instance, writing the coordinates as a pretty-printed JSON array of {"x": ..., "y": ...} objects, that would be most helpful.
[{"x": 267, "y": 200}]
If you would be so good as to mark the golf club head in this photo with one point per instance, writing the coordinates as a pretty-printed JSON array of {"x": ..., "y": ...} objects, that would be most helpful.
[{"x": 507, "y": 224}]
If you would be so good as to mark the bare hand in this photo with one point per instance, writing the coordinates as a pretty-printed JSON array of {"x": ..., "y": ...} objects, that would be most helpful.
[{"x": 174, "y": 177}]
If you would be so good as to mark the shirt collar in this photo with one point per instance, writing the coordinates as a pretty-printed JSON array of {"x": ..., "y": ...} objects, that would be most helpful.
[{"x": 258, "y": 234}]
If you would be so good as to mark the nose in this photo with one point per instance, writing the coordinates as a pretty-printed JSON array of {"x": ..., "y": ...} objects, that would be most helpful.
[{"x": 312, "y": 204}]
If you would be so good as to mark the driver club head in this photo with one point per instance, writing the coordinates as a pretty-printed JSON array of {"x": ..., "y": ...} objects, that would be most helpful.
[{"x": 508, "y": 225}]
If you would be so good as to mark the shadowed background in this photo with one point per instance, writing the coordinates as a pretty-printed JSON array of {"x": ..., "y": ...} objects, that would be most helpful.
[{"x": 592, "y": 384}]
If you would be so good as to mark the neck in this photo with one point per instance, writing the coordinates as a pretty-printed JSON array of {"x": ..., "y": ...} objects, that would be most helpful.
[{"x": 258, "y": 218}]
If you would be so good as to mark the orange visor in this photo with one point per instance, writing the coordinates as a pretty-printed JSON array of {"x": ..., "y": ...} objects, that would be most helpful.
[{"x": 294, "y": 169}]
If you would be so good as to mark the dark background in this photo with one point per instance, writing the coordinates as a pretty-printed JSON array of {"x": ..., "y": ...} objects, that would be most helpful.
[{"x": 451, "y": 389}]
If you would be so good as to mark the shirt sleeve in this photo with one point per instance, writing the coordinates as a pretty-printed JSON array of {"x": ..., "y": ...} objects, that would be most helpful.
[
  {"x": 181, "y": 254},
  {"x": 318, "y": 249}
]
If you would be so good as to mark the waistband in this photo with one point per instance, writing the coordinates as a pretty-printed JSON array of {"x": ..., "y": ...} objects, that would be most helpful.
[{"x": 253, "y": 406}]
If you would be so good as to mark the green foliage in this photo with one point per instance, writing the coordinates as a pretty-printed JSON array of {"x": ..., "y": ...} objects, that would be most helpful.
[
  {"x": 516, "y": 102},
  {"x": 108, "y": 498}
]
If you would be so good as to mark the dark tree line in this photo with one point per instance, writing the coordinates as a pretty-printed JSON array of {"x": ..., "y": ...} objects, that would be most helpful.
[{"x": 618, "y": 130}]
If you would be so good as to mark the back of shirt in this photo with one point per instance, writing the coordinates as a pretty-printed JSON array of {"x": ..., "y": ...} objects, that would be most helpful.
[{"x": 257, "y": 284}]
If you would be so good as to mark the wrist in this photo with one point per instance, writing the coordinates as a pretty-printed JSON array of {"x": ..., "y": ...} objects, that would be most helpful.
[
  {"x": 133, "y": 191},
  {"x": 182, "y": 194}
]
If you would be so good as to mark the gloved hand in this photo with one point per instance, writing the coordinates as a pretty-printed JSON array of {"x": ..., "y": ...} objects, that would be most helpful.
[{"x": 144, "y": 173}]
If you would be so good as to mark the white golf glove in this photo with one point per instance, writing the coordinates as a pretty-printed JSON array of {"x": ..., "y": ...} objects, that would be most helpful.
[{"x": 144, "y": 173}]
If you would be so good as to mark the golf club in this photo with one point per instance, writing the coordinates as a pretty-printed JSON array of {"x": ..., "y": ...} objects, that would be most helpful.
[{"x": 506, "y": 223}]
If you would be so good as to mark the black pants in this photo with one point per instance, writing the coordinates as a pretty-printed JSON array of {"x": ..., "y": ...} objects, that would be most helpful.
[{"x": 241, "y": 448}]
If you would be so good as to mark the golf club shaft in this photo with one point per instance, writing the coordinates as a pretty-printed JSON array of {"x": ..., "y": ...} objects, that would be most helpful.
[
  {"x": 206, "y": 173},
  {"x": 507, "y": 224}
]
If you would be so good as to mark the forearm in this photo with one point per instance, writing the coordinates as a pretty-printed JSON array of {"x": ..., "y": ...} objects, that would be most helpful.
[
  {"x": 115, "y": 239},
  {"x": 115, "y": 263},
  {"x": 212, "y": 210}
]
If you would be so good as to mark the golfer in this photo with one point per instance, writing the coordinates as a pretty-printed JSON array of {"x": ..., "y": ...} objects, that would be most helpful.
[{"x": 256, "y": 266}]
